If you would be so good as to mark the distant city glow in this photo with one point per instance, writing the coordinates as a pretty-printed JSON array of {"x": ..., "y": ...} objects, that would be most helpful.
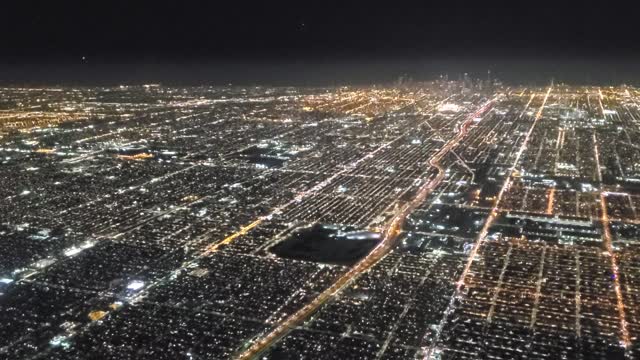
[{"x": 439, "y": 219}]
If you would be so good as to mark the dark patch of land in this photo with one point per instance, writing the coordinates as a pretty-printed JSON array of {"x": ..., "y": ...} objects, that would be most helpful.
[
  {"x": 327, "y": 244},
  {"x": 264, "y": 156}
]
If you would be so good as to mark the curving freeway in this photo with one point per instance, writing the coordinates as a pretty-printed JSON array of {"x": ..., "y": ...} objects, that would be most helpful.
[{"x": 391, "y": 233}]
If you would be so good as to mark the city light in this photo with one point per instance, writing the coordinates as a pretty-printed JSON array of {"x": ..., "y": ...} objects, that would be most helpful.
[{"x": 460, "y": 219}]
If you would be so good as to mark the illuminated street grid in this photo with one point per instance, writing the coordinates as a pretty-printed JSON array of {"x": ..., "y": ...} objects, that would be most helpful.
[{"x": 137, "y": 222}]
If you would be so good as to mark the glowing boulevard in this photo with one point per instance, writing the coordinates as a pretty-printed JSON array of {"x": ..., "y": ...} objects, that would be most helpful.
[
  {"x": 485, "y": 229},
  {"x": 391, "y": 233}
]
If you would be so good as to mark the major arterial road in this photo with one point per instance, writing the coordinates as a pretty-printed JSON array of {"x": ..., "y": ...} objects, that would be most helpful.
[{"x": 391, "y": 233}]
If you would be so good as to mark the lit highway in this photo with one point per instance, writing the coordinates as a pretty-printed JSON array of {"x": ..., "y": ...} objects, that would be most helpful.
[{"x": 391, "y": 232}]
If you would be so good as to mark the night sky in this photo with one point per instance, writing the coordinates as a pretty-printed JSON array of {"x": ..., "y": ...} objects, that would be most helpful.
[{"x": 272, "y": 40}]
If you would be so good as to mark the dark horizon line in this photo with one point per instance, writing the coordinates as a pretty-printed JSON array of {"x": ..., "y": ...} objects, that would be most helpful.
[
  {"x": 158, "y": 59},
  {"x": 518, "y": 71}
]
